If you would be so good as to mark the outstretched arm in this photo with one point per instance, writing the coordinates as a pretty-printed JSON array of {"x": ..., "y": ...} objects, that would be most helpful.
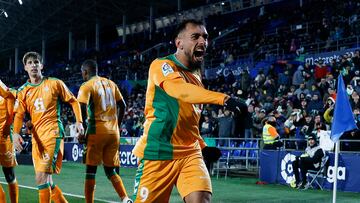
[{"x": 190, "y": 93}]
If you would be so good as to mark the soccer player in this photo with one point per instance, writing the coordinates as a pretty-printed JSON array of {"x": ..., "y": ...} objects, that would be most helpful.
[
  {"x": 7, "y": 152},
  {"x": 170, "y": 148},
  {"x": 40, "y": 96},
  {"x": 105, "y": 106}
]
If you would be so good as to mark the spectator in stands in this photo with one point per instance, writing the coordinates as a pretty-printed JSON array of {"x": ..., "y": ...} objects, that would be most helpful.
[
  {"x": 298, "y": 77},
  {"x": 345, "y": 68},
  {"x": 329, "y": 109},
  {"x": 315, "y": 105},
  {"x": 245, "y": 80},
  {"x": 355, "y": 81},
  {"x": 301, "y": 90},
  {"x": 226, "y": 127},
  {"x": 318, "y": 123},
  {"x": 280, "y": 121},
  {"x": 356, "y": 59},
  {"x": 258, "y": 117},
  {"x": 284, "y": 78},
  {"x": 304, "y": 104},
  {"x": 206, "y": 127},
  {"x": 321, "y": 70},
  {"x": 307, "y": 125},
  {"x": 354, "y": 100},
  {"x": 248, "y": 122},
  {"x": 310, "y": 160},
  {"x": 270, "y": 136}
]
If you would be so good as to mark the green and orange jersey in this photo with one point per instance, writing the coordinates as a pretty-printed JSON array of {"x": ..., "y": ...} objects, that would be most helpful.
[
  {"x": 174, "y": 99},
  {"x": 7, "y": 100},
  {"x": 100, "y": 95},
  {"x": 42, "y": 102}
]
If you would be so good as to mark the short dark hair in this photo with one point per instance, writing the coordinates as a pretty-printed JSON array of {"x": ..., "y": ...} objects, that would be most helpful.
[
  {"x": 31, "y": 54},
  {"x": 91, "y": 65},
  {"x": 183, "y": 25}
]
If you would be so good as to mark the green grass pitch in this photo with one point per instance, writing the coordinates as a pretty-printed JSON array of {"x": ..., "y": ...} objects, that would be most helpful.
[{"x": 232, "y": 190}]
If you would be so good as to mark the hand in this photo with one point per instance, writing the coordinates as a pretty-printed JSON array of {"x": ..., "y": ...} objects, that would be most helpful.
[
  {"x": 17, "y": 142},
  {"x": 211, "y": 154},
  {"x": 80, "y": 132},
  {"x": 304, "y": 155},
  {"x": 29, "y": 126},
  {"x": 79, "y": 128},
  {"x": 236, "y": 105},
  {"x": 81, "y": 138}
]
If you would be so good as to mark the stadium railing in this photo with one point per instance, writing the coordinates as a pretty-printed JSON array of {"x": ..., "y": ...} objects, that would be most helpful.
[{"x": 239, "y": 156}]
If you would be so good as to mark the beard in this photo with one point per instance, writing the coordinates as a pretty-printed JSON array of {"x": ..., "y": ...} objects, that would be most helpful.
[{"x": 193, "y": 64}]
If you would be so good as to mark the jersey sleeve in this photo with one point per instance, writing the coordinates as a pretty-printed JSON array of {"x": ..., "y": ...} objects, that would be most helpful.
[
  {"x": 4, "y": 90},
  {"x": 19, "y": 109},
  {"x": 84, "y": 94},
  {"x": 118, "y": 95},
  {"x": 161, "y": 70},
  {"x": 64, "y": 92}
]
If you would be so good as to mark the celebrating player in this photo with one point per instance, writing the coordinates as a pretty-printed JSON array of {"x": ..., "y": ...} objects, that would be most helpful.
[
  {"x": 104, "y": 104},
  {"x": 40, "y": 96},
  {"x": 7, "y": 152},
  {"x": 170, "y": 148}
]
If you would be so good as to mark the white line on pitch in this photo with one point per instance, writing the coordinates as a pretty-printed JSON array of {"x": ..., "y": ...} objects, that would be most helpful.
[{"x": 67, "y": 194}]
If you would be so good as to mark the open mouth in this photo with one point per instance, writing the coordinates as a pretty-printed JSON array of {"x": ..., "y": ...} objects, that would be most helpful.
[{"x": 199, "y": 54}]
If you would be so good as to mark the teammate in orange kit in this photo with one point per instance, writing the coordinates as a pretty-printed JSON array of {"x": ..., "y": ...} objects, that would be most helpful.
[
  {"x": 170, "y": 148},
  {"x": 41, "y": 96},
  {"x": 7, "y": 152},
  {"x": 105, "y": 106}
]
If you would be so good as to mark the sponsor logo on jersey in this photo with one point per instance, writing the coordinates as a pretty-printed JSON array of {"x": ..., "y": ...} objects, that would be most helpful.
[{"x": 166, "y": 69}]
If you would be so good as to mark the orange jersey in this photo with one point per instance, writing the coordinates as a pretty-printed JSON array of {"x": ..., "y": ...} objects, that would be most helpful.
[
  {"x": 42, "y": 102},
  {"x": 100, "y": 95},
  {"x": 171, "y": 129},
  {"x": 7, "y": 100}
]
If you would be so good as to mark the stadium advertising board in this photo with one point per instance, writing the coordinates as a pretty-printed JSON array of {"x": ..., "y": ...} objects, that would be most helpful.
[
  {"x": 327, "y": 56},
  {"x": 236, "y": 70},
  {"x": 276, "y": 167},
  {"x": 74, "y": 152}
]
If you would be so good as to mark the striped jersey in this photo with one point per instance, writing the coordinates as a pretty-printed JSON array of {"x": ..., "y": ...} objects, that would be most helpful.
[
  {"x": 42, "y": 102},
  {"x": 171, "y": 129},
  {"x": 100, "y": 94}
]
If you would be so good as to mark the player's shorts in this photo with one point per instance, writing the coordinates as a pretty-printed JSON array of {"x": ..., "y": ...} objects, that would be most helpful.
[
  {"x": 155, "y": 180},
  {"x": 48, "y": 155},
  {"x": 7, "y": 153},
  {"x": 102, "y": 149}
]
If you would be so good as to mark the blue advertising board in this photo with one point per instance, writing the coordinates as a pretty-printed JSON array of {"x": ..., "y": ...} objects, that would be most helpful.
[
  {"x": 276, "y": 167},
  {"x": 74, "y": 152}
]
